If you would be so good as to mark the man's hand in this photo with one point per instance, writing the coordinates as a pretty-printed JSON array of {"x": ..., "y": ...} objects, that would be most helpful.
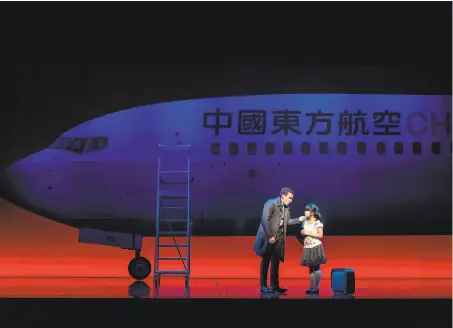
[
  {"x": 302, "y": 218},
  {"x": 272, "y": 240}
]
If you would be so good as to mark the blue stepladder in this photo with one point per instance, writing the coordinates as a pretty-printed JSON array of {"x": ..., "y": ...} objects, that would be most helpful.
[{"x": 173, "y": 211}]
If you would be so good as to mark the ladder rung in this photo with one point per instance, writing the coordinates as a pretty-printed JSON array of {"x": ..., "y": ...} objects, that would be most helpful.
[
  {"x": 173, "y": 182},
  {"x": 174, "y": 220},
  {"x": 173, "y": 196},
  {"x": 171, "y": 258},
  {"x": 174, "y": 207},
  {"x": 173, "y": 233},
  {"x": 173, "y": 245},
  {"x": 176, "y": 171},
  {"x": 172, "y": 272}
]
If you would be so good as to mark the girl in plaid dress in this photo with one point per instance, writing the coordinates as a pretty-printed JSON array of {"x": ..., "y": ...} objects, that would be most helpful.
[{"x": 313, "y": 255}]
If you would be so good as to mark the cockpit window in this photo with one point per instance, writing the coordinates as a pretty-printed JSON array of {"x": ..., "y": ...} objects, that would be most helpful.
[
  {"x": 97, "y": 143},
  {"x": 61, "y": 143},
  {"x": 78, "y": 144}
]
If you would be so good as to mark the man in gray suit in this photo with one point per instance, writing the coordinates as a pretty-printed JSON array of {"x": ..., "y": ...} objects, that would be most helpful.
[{"x": 270, "y": 238}]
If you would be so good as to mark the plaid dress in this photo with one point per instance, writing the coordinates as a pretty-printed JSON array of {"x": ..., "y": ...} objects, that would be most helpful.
[{"x": 313, "y": 254}]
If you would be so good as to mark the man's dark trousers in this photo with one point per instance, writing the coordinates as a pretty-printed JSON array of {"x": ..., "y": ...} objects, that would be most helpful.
[{"x": 272, "y": 256}]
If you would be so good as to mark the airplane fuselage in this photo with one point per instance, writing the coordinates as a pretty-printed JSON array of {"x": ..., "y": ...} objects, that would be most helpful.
[{"x": 366, "y": 169}]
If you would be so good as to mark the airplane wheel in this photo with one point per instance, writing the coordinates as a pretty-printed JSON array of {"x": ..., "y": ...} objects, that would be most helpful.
[{"x": 139, "y": 268}]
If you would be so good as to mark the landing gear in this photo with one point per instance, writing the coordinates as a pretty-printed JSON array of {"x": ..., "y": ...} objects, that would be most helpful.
[{"x": 139, "y": 267}]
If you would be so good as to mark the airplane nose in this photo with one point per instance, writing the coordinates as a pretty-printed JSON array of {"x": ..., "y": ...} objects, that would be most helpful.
[
  {"x": 17, "y": 187},
  {"x": 8, "y": 189}
]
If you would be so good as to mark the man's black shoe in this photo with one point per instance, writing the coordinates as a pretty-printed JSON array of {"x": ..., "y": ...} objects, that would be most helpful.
[
  {"x": 265, "y": 289},
  {"x": 280, "y": 290}
]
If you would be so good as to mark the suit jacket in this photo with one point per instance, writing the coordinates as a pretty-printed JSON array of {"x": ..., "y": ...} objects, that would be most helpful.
[{"x": 270, "y": 222}]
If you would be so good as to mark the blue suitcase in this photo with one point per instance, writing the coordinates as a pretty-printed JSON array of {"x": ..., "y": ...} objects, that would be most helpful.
[{"x": 343, "y": 281}]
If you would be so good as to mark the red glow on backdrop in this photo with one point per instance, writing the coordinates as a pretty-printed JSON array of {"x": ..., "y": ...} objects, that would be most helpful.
[{"x": 33, "y": 246}]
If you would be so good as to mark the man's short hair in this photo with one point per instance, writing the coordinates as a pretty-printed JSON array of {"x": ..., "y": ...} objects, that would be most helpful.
[{"x": 285, "y": 191}]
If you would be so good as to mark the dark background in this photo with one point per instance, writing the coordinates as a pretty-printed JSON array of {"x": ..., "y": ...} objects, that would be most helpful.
[{"x": 66, "y": 63}]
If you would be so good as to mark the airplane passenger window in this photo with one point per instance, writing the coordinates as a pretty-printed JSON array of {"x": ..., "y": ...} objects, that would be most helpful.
[
  {"x": 435, "y": 148},
  {"x": 341, "y": 148},
  {"x": 215, "y": 148},
  {"x": 269, "y": 148},
  {"x": 398, "y": 148},
  {"x": 287, "y": 148},
  {"x": 78, "y": 145},
  {"x": 361, "y": 148},
  {"x": 306, "y": 148},
  {"x": 251, "y": 148},
  {"x": 61, "y": 143},
  {"x": 233, "y": 148},
  {"x": 323, "y": 148},
  {"x": 381, "y": 148},
  {"x": 97, "y": 143},
  {"x": 416, "y": 148}
]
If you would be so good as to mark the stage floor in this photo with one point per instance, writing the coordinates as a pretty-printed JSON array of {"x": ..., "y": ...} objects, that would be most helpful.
[{"x": 172, "y": 287}]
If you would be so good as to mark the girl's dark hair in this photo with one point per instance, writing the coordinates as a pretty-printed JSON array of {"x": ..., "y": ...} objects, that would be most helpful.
[{"x": 315, "y": 209}]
